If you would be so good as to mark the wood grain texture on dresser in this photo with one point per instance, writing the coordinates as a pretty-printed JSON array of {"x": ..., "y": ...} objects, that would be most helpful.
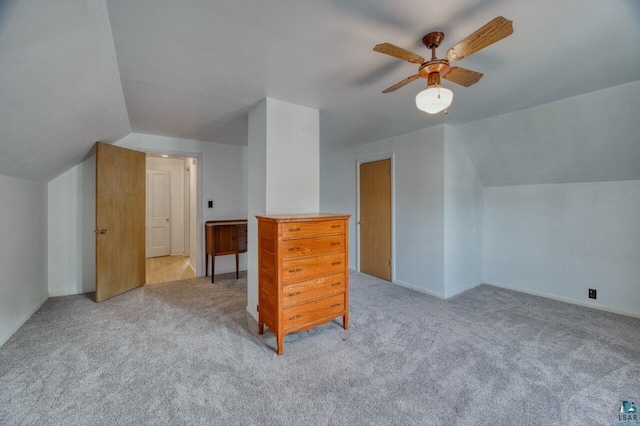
[{"x": 303, "y": 277}]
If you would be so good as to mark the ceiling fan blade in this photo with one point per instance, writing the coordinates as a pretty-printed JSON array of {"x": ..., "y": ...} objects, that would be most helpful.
[
  {"x": 402, "y": 83},
  {"x": 463, "y": 76},
  {"x": 492, "y": 32},
  {"x": 399, "y": 52}
]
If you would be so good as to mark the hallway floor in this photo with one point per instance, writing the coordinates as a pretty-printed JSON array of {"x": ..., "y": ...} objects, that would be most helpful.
[{"x": 168, "y": 268}]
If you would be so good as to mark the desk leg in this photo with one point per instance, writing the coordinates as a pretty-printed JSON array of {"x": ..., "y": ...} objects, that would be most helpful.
[
  {"x": 206, "y": 264},
  {"x": 237, "y": 264},
  {"x": 213, "y": 267}
]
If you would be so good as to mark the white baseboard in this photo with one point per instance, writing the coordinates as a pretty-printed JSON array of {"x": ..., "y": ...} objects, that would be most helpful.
[
  {"x": 462, "y": 290},
  {"x": 6, "y": 336},
  {"x": 567, "y": 300},
  {"x": 253, "y": 313},
  {"x": 66, "y": 293},
  {"x": 419, "y": 289}
]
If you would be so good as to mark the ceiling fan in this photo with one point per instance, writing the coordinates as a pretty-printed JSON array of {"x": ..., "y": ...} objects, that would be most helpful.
[{"x": 436, "y": 98}]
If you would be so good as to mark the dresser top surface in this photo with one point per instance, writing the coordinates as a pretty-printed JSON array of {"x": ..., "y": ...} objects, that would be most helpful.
[
  {"x": 303, "y": 217},
  {"x": 225, "y": 222}
]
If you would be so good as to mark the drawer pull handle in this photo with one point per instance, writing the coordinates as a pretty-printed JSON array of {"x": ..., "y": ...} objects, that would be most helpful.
[
  {"x": 336, "y": 304},
  {"x": 294, "y": 249},
  {"x": 296, "y": 317},
  {"x": 336, "y": 226},
  {"x": 335, "y": 263},
  {"x": 295, "y": 294},
  {"x": 294, "y": 229},
  {"x": 295, "y": 270},
  {"x": 335, "y": 243},
  {"x": 335, "y": 284}
]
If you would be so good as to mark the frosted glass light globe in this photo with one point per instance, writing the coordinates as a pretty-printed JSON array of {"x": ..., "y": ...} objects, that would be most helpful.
[{"x": 434, "y": 99}]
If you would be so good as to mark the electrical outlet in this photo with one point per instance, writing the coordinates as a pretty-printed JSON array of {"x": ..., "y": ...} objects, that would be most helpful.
[
  {"x": 209, "y": 204},
  {"x": 593, "y": 293}
]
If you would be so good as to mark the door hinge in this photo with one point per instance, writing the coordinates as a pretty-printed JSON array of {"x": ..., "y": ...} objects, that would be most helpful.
[{"x": 389, "y": 262}]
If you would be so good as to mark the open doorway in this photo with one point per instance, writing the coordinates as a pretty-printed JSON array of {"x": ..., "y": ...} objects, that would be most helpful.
[{"x": 171, "y": 218}]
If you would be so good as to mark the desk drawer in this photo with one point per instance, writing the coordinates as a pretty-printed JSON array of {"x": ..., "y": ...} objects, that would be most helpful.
[
  {"x": 303, "y": 247},
  {"x": 306, "y": 291},
  {"x": 312, "y": 267},
  {"x": 309, "y": 313},
  {"x": 310, "y": 229}
]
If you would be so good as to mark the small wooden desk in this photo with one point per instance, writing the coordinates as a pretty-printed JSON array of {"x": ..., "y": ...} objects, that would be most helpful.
[{"x": 223, "y": 237}]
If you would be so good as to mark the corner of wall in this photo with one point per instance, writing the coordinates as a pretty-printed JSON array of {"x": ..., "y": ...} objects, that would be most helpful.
[
  {"x": 23, "y": 226},
  {"x": 463, "y": 205}
]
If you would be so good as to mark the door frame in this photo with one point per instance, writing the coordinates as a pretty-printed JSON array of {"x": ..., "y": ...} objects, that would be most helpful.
[
  {"x": 199, "y": 222},
  {"x": 372, "y": 159}
]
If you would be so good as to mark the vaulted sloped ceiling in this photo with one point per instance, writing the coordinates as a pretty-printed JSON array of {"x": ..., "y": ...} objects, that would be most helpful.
[
  {"x": 193, "y": 68},
  {"x": 60, "y": 90},
  {"x": 73, "y": 72},
  {"x": 593, "y": 137}
]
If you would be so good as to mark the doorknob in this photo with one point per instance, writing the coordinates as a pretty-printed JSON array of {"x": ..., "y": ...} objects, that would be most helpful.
[
  {"x": 104, "y": 231},
  {"x": 360, "y": 223},
  {"x": 167, "y": 219}
]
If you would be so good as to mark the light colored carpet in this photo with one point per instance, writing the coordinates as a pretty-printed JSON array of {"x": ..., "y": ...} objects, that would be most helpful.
[{"x": 188, "y": 353}]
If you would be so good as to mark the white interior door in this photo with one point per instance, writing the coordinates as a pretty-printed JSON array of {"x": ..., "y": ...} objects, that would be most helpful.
[{"x": 158, "y": 223}]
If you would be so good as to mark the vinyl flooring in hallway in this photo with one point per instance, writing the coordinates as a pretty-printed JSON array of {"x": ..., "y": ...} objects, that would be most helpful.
[{"x": 168, "y": 268}]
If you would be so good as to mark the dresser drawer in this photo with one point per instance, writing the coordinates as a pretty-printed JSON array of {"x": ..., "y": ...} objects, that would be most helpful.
[
  {"x": 309, "y": 313},
  {"x": 306, "y": 291},
  {"x": 310, "y": 229},
  {"x": 312, "y": 267},
  {"x": 292, "y": 249}
]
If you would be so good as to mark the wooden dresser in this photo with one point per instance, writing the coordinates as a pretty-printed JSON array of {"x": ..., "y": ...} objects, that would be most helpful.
[{"x": 303, "y": 276}]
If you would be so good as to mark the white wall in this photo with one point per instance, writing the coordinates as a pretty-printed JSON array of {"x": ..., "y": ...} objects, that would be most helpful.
[
  {"x": 293, "y": 158},
  {"x": 418, "y": 184},
  {"x": 284, "y": 170},
  {"x": 559, "y": 240},
  {"x": 175, "y": 167},
  {"x": 256, "y": 194},
  {"x": 437, "y": 223},
  {"x": 71, "y": 239},
  {"x": 23, "y": 252},
  {"x": 462, "y": 218},
  {"x": 224, "y": 169}
]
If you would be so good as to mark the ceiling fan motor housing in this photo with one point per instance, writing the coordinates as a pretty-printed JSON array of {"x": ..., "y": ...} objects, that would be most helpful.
[
  {"x": 432, "y": 70},
  {"x": 433, "y": 39}
]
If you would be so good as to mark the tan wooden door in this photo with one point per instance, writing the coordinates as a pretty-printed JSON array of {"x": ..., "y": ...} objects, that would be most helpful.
[
  {"x": 375, "y": 219},
  {"x": 120, "y": 220}
]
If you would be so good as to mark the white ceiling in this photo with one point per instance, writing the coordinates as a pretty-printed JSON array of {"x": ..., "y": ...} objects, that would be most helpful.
[
  {"x": 193, "y": 68},
  {"x": 594, "y": 137},
  {"x": 59, "y": 86}
]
